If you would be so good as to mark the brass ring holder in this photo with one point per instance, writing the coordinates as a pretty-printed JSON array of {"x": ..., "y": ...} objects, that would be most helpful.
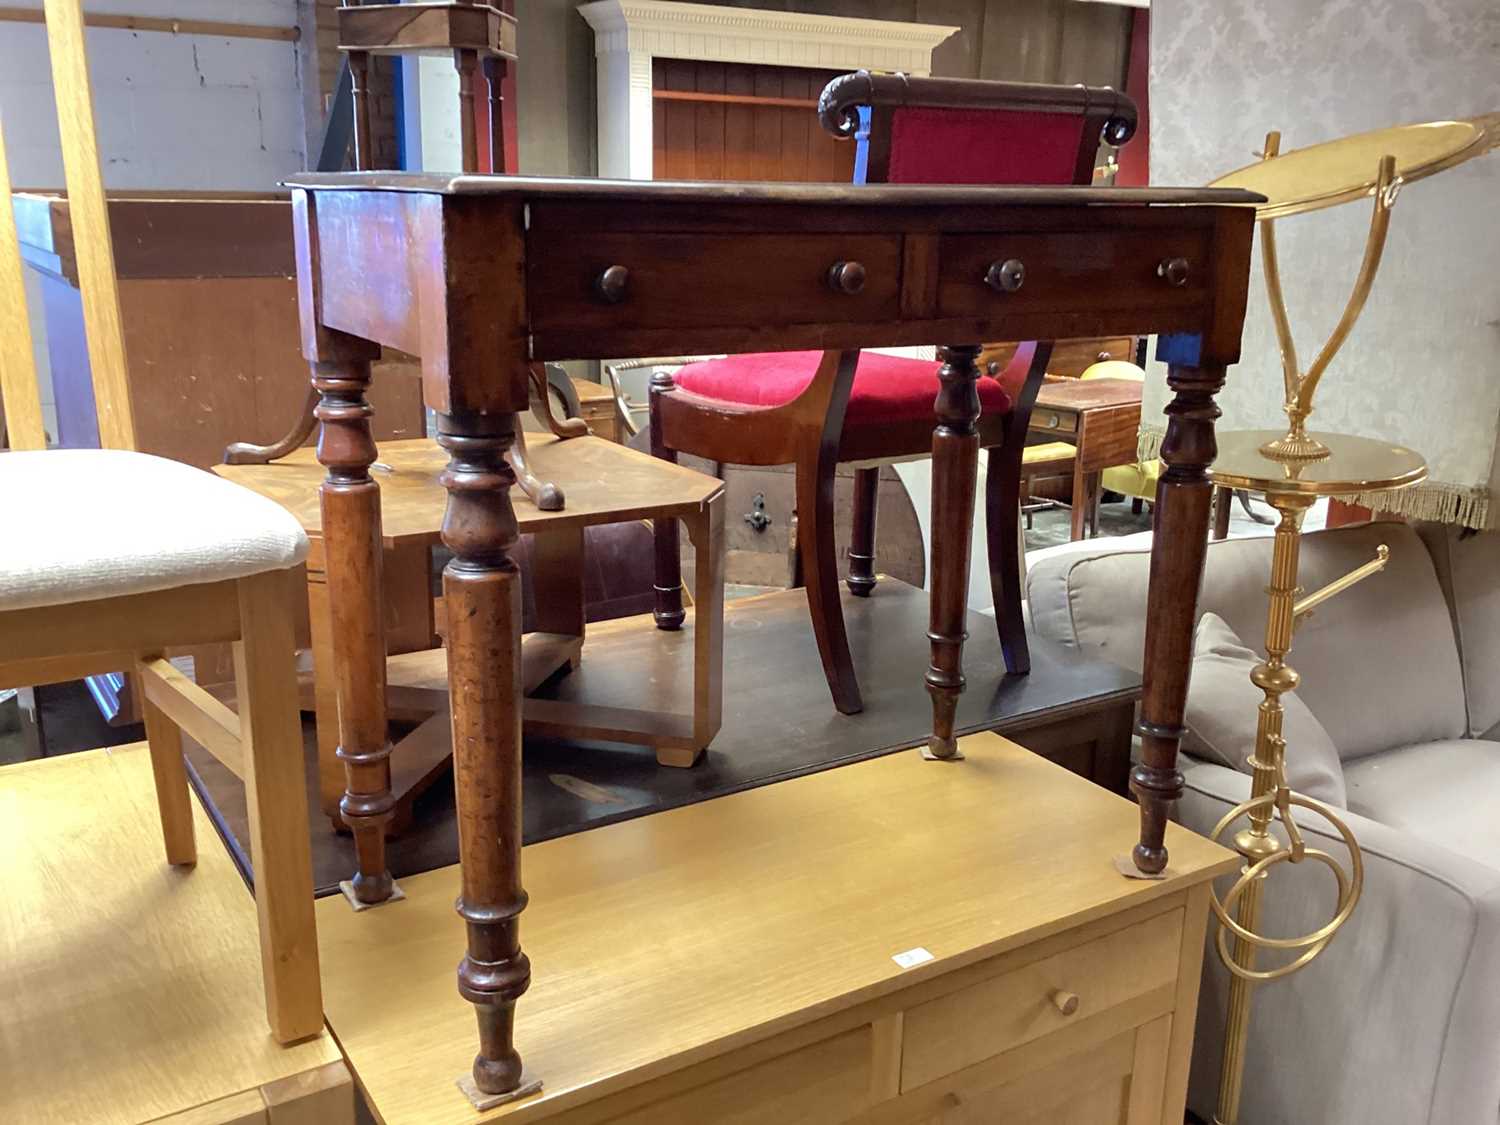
[{"x": 1349, "y": 886}]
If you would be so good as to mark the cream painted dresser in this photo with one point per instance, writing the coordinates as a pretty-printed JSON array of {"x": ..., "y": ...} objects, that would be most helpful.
[{"x": 895, "y": 941}]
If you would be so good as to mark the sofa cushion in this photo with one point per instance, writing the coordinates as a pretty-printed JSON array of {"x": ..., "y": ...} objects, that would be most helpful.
[
  {"x": 1379, "y": 662},
  {"x": 1223, "y": 711},
  {"x": 1443, "y": 792},
  {"x": 1468, "y": 567}
]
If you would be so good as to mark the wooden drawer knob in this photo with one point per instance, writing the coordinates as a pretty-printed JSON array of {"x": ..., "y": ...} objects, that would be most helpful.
[
  {"x": 846, "y": 277},
  {"x": 1007, "y": 276},
  {"x": 611, "y": 284},
  {"x": 1175, "y": 270},
  {"x": 1064, "y": 1002}
]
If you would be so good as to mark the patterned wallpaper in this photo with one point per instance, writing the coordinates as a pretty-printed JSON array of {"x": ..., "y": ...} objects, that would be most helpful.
[{"x": 1423, "y": 365}]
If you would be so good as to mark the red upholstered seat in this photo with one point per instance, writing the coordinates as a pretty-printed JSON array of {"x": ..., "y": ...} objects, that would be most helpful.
[{"x": 886, "y": 388}]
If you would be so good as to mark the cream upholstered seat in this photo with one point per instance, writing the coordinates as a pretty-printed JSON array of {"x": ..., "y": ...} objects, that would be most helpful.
[{"x": 88, "y": 524}]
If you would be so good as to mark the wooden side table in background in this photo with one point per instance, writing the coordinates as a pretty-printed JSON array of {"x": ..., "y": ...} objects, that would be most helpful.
[{"x": 1100, "y": 417}]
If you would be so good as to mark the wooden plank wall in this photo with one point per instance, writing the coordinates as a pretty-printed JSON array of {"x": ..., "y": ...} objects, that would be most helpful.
[
  {"x": 1019, "y": 40},
  {"x": 755, "y": 123}
]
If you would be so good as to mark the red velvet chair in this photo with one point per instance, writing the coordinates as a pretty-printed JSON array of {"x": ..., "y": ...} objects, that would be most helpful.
[{"x": 816, "y": 409}]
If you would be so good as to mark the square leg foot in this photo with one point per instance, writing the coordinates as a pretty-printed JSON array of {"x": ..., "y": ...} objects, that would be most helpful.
[
  {"x": 930, "y": 756},
  {"x": 482, "y": 1101},
  {"x": 347, "y": 887},
  {"x": 1125, "y": 865},
  {"x": 679, "y": 758}
]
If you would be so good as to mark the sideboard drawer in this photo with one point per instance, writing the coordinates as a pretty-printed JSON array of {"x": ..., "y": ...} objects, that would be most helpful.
[
  {"x": 702, "y": 280},
  {"x": 821, "y": 1083},
  {"x": 1118, "y": 269},
  {"x": 986, "y": 1018}
]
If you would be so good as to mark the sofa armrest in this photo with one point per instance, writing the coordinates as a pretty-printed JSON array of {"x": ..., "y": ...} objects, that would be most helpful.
[{"x": 1398, "y": 1020}]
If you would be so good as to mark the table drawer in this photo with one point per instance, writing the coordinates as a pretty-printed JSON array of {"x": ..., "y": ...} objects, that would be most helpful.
[
  {"x": 705, "y": 280},
  {"x": 989, "y": 1017},
  {"x": 1054, "y": 421},
  {"x": 1069, "y": 357},
  {"x": 1117, "y": 269}
]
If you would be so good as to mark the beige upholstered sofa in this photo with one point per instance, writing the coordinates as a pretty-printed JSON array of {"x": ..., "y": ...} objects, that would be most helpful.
[{"x": 1398, "y": 1021}]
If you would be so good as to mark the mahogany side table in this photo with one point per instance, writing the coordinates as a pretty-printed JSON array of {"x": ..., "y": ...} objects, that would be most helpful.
[
  {"x": 1100, "y": 417},
  {"x": 481, "y": 276}
]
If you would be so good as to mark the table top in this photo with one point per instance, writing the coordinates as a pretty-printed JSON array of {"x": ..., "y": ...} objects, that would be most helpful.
[
  {"x": 602, "y": 482},
  {"x": 663, "y": 941},
  {"x": 1089, "y": 394},
  {"x": 1345, "y": 169},
  {"x": 1355, "y": 464},
  {"x": 133, "y": 989},
  {"x": 711, "y": 191}
]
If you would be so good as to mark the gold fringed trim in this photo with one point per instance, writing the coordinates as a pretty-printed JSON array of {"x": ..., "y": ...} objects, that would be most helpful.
[
  {"x": 1465, "y": 505},
  {"x": 1148, "y": 443},
  {"x": 1461, "y": 504}
]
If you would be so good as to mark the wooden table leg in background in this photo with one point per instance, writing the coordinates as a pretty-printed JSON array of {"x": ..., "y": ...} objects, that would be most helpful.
[
  {"x": 707, "y": 535},
  {"x": 955, "y": 473},
  {"x": 1184, "y": 496},
  {"x": 352, "y": 542},
  {"x": 482, "y": 589}
]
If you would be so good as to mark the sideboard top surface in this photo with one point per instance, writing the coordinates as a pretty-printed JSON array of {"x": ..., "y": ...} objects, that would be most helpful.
[{"x": 664, "y": 941}]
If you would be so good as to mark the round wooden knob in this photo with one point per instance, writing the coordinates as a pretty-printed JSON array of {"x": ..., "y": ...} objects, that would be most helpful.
[
  {"x": 1175, "y": 270},
  {"x": 1006, "y": 276},
  {"x": 846, "y": 277},
  {"x": 611, "y": 284},
  {"x": 1065, "y": 1002}
]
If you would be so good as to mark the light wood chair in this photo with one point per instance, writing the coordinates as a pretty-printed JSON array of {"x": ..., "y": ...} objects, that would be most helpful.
[{"x": 112, "y": 557}]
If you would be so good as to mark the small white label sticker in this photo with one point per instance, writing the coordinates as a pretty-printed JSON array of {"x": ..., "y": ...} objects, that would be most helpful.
[{"x": 912, "y": 957}]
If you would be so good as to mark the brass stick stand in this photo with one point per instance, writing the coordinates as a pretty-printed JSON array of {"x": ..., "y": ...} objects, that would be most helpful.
[{"x": 1293, "y": 470}]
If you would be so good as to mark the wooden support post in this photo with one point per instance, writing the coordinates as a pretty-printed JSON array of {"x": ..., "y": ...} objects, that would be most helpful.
[
  {"x": 669, "y": 613},
  {"x": 20, "y": 395},
  {"x": 265, "y": 673},
  {"x": 350, "y": 500},
  {"x": 89, "y": 214},
  {"x": 482, "y": 588},
  {"x": 861, "y": 580},
  {"x": 1184, "y": 495},
  {"x": 955, "y": 472}
]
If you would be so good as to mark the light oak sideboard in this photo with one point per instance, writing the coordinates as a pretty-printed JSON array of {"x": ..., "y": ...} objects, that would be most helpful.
[{"x": 740, "y": 961}]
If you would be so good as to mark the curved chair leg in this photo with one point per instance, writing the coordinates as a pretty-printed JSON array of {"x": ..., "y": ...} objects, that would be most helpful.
[
  {"x": 669, "y": 612},
  {"x": 547, "y": 496},
  {"x": 1005, "y": 545},
  {"x": 815, "y": 477},
  {"x": 861, "y": 580},
  {"x": 248, "y": 453}
]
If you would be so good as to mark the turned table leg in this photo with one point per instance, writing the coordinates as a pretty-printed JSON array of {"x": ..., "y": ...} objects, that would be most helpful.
[
  {"x": 955, "y": 472},
  {"x": 483, "y": 591},
  {"x": 350, "y": 501},
  {"x": 1184, "y": 496}
]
